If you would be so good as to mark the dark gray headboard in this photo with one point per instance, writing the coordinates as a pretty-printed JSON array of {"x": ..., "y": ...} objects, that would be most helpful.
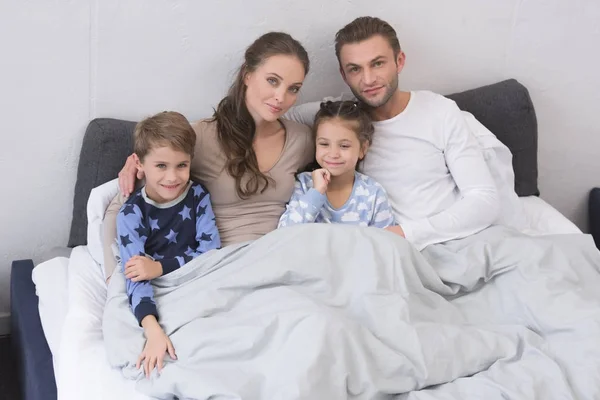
[
  {"x": 505, "y": 108},
  {"x": 106, "y": 145}
]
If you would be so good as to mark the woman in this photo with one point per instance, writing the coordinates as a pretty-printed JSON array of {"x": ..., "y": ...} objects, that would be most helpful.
[{"x": 246, "y": 155}]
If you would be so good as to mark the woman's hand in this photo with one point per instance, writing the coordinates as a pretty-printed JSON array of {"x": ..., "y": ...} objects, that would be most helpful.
[
  {"x": 321, "y": 178},
  {"x": 128, "y": 174}
]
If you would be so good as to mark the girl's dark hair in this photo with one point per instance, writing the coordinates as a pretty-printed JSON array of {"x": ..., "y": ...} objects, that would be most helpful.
[
  {"x": 353, "y": 114},
  {"x": 235, "y": 126}
]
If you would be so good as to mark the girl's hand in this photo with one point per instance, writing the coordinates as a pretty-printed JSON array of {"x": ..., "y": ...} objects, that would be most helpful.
[
  {"x": 157, "y": 345},
  {"x": 321, "y": 178}
]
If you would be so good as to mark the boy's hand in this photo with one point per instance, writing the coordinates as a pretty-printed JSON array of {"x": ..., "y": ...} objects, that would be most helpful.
[
  {"x": 140, "y": 268},
  {"x": 157, "y": 344},
  {"x": 321, "y": 178}
]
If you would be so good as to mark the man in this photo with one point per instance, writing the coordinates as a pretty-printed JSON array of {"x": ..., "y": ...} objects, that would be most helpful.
[{"x": 423, "y": 152}]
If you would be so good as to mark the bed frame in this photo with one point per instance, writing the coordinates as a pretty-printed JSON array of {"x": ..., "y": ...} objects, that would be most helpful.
[{"x": 505, "y": 108}]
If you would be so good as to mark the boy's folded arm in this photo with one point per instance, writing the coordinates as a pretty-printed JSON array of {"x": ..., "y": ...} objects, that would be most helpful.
[
  {"x": 146, "y": 306},
  {"x": 131, "y": 243},
  {"x": 130, "y": 239}
]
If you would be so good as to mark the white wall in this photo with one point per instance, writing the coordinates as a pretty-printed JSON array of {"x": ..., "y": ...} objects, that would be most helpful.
[{"x": 65, "y": 62}]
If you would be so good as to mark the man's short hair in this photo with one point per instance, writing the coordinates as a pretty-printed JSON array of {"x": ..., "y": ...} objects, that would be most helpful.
[{"x": 363, "y": 28}]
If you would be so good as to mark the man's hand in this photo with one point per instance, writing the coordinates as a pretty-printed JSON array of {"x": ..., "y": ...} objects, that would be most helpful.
[
  {"x": 397, "y": 229},
  {"x": 140, "y": 268}
]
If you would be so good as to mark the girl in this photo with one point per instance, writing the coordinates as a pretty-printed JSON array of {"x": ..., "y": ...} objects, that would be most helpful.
[{"x": 335, "y": 192}]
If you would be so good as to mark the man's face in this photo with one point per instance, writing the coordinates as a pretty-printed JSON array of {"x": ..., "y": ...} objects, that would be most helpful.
[{"x": 371, "y": 70}]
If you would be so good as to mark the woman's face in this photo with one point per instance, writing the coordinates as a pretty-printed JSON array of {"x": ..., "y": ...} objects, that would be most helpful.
[{"x": 273, "y": 87}]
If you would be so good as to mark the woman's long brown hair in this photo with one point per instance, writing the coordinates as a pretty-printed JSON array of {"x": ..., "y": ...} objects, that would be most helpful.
[{"x": 235, "y": 125}]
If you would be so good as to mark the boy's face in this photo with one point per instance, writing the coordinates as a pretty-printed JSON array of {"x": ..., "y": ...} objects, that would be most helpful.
[
  {"x": 167, "y": 173},
  {"x": 370, "y": 69}
]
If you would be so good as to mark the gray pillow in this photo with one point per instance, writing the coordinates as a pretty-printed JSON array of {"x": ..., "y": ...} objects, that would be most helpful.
[
  {"x": 505, "y": 108},
  {"x": 106, "y": 145}
]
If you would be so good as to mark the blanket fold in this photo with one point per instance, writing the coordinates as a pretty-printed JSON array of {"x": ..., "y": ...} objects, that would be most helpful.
[{"x": 321, "y": 311}]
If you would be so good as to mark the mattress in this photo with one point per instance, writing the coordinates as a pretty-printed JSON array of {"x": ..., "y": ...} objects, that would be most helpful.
[
  {"x": 72, "y": 319},
  {"x": 50, "y": 279}
]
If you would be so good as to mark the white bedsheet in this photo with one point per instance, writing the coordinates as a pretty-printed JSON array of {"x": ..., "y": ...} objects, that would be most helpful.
[
  {"x": 83, "y": 370},
  {"x": 543, "y": 219},
  {"x": 50, "y": 279},
  {"x": 71, "y": 318}
]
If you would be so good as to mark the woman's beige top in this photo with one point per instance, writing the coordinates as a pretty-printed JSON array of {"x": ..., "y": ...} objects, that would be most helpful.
[{"x": 238, "y": 219}]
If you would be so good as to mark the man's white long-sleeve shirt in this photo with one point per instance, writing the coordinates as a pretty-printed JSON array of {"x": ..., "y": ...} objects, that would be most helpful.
[{"x": 430, "y": 164}]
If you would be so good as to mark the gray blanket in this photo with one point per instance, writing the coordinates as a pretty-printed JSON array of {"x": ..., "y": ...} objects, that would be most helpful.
[{"x": 324, "y": 311}]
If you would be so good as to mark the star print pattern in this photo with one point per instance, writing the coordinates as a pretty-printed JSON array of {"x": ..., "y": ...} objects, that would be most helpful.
[
  {"x": 185, "y": 213},
  {"x": 154, "y": 224},
  {"x": 128, "y": 209},
  {"x": 125, "y": 241},
  {"x": 142, "y": 232},
  {"x": 174, "y": 234},
  {"x": 367, "y": 205},
  {"x": 172, "y": 237},
  {"x": 205, "y": 237}
]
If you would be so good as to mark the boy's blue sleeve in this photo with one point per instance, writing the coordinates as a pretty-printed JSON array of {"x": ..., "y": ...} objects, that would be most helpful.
[
  {"x": 131, "y": 239},
  {"x": 305, "y": 204},
  {"x": 207, "y": 234},
  {"x": 382, "y": 215}
]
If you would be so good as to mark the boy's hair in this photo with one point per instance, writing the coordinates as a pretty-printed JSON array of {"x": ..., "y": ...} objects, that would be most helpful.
[
  {"x": 352, "y": 114},
  {"x": 168, "y": 128},
  {"x": 363, "y": 28}
]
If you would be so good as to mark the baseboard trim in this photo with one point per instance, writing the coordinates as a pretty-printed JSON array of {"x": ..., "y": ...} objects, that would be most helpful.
[{"x": 4, "y": 323}]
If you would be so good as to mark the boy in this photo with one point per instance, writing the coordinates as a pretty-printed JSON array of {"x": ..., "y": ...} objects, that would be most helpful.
[{"x": 163, "y": 225}]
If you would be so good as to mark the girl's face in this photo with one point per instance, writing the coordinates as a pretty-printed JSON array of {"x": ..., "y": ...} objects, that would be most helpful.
[
  {"x": 273, "y": 87},
  {"x": 338, "y": 147}
]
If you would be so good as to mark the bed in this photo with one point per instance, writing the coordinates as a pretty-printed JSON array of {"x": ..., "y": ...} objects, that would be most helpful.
[{"x": 57, "y": 307}]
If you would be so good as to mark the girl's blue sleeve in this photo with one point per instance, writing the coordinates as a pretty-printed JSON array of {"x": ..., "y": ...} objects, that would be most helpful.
[
  {"x": 305, "y": 204},
  {"x": 382, "y": 215}
]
